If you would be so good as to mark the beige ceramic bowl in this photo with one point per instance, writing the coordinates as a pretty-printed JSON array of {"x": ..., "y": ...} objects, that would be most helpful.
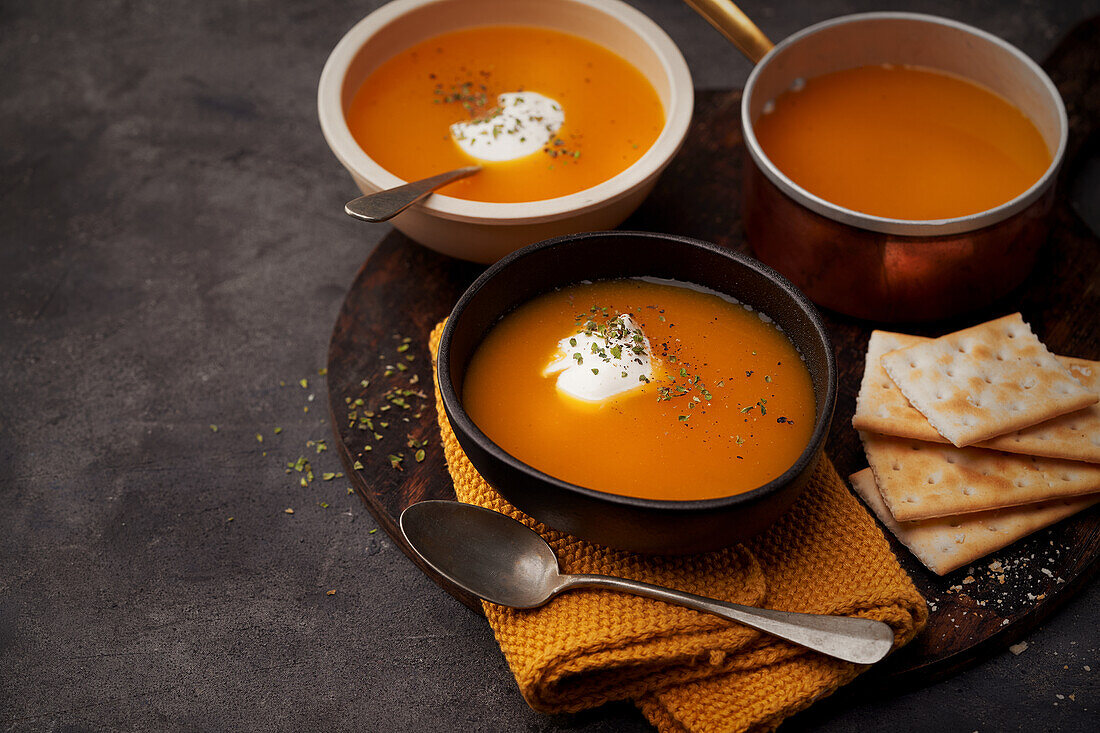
[{"x": 485, "y": 232}]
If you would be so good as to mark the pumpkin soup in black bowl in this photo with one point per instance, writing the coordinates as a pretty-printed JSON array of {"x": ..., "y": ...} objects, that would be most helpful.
[{"x": 642, "y": 391}]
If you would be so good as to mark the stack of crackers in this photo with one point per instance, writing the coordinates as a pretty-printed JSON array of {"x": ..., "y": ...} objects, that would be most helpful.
[{"x": 975, "y": 439}]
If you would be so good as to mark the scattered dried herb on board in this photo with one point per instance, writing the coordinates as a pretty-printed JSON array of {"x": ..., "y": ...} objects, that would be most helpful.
[
  {"x": 375, "y": 413},
  {"x": 396, "y": 400}
]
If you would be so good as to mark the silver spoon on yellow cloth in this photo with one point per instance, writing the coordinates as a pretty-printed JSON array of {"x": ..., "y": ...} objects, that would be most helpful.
[
  {"x": 499, "y": 559},
  {"x": 384, "y": 205}
]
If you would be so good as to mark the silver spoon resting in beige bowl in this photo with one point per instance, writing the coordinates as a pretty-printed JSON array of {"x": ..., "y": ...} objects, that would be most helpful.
[{"x": 384, "y": 205}]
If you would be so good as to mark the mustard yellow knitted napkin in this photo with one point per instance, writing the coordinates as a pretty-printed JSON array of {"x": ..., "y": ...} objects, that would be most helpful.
[{"x": 691, "y": 671}]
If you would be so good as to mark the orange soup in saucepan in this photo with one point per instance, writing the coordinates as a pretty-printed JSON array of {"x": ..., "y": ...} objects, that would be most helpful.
[
  {"x": 903, "y": 142},
  {"x": 545, "y": 113},
  {"x": 643, "y": 388}
]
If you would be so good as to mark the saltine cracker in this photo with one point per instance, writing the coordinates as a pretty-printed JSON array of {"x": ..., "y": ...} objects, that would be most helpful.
[
  {"x": 985, "y": 381},
  {"x": 948, "y": 543},
  {"x": 882, "y": 408}
]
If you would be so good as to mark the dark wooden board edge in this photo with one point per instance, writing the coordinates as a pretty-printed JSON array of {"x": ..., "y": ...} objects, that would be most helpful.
[
  {"x": 390, "y": 267},
  {"x": 708, "y": 169}
]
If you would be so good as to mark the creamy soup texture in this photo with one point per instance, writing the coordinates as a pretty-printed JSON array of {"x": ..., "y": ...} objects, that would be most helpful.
[
  {"x": 903, "y": 142},
  {"x": 643, "y": 388},
  {"x": 545, "y": 113}
]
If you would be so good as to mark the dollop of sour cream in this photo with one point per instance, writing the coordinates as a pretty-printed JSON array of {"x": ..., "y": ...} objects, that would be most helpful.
[
  {"x": 522, "y": 123},
  {"x": 600, "y": 362}
]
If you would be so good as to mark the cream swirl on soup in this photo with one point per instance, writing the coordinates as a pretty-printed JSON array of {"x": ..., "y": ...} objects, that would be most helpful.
[
  {"x": 521, "y": 124},
  {"x": 601, "y": 361}
]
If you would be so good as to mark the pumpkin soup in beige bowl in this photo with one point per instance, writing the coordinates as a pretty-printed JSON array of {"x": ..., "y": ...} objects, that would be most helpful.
[
  {"x": 571, "y": 107},
  {"x": 643, "y": 391}
]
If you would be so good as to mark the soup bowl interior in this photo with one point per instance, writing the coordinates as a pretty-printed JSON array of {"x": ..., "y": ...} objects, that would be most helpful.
[
  {"x": 908, "y": 39},
  {"x": 485, "y": 231},
  {"x": 885, "y": 269},
  {"x": 644, "y": 525}
]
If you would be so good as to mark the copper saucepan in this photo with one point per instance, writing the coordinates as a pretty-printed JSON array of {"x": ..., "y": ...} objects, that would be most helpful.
[{"x": 874, "y": 267}]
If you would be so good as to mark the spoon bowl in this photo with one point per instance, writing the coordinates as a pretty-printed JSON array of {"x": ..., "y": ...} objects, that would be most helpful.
[
  {"x": 499, "y": 559},
  {"x": 483, "y": 552}
]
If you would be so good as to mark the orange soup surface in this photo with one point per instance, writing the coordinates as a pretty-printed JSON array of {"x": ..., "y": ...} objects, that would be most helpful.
[
  {"x": 402, "y": 114},
  {"x": 727, "y": 404},
  {"x": 903, "y": 142}
]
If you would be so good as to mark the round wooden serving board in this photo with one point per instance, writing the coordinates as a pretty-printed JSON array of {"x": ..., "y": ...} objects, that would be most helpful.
[{"x": 403, "y": 290}]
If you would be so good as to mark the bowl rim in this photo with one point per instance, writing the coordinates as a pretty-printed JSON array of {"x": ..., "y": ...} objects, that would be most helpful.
[
  {"x": 822, "y": 420},
  {"x": 678, "y": 115},
  {"x": 888, "y": 225}
]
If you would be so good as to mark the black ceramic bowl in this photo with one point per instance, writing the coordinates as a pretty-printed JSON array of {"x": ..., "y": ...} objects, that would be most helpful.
[{"x": 642, "y": 525}]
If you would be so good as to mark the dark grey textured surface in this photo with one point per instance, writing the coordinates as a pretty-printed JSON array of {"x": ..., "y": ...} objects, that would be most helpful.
[{"x": 173, "y": 246}]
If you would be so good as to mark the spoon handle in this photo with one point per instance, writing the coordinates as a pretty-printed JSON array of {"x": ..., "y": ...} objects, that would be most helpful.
[
  {"x": 384, "y": 205},
  {"x": 858, "y": 640},
  {"x": 732, "y": 22}
]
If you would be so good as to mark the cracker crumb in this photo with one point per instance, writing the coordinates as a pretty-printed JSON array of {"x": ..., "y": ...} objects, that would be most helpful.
[
  {"x": 330, "y": 592},
  {"x": 288, "y": 510},
  {"x": 1018, "y": 649},
  {"x": 968, "y": 580}
]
